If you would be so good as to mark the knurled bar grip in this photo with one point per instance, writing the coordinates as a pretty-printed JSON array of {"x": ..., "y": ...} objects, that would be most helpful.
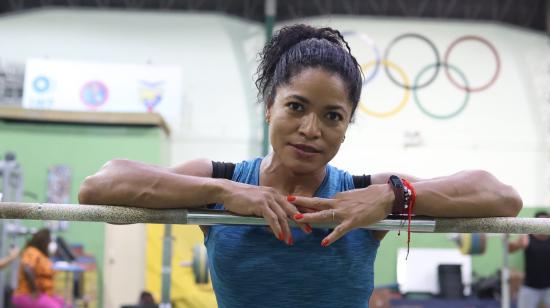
[{"x": 133, "y": 215}]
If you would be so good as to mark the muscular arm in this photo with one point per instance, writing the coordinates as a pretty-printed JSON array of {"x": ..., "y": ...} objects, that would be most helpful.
[
  {"x": 472, "y": 193},
  {"x": 464, "y": 194},
  {"x": 519, "y": 244},
  {"x": 125, "y": 182}
]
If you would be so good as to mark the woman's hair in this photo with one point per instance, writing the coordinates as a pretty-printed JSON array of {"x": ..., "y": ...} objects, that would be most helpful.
[
  {"x": 40, "y": 240},
  {"x": 298, "y": 47}
]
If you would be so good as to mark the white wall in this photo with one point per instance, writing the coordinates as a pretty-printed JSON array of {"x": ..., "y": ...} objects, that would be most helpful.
[
  {"x": 213, "y": 52},
  {"x": 502, "y": 129}
]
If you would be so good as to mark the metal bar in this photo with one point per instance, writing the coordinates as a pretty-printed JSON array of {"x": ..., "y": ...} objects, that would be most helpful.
[
  {"x": 99, "y": 213},
  {"x": 132, "y": 215},
  {"x": 166, "y": 272},
  {"x": 404, "y": 8},
  {"x": 12, "y": 190},
  {"x": 376, "y": 7},
  {"x": 270, "y": 12},
  {"x": 348, "y": 7},
  {"x": 422, "y": 8},
  {"x": 505, "y": 274},
  {"x": 220, "y": 217},
  {"x": 511, "y": 225}
]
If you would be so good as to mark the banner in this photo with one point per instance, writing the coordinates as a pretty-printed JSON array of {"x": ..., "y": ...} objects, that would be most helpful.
[{"x": 84, "y": 86}]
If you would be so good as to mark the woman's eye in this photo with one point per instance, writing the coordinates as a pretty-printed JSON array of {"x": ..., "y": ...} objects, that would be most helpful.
[
  {"x": 295, "y": 106},
  {"x": 334, "y": 116}
]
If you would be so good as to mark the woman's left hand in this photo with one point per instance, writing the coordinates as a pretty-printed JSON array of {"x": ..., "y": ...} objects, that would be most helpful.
[{"x": 352, "y": 209}]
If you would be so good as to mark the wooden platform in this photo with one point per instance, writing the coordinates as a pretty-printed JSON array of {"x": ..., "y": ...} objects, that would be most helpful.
[{"x": 80, "y": 117}]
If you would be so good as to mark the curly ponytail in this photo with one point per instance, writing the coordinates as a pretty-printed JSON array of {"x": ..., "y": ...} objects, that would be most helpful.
[{"x": 297, "y": 47}]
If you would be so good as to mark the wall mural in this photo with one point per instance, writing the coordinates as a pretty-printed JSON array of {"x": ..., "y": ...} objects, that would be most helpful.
[{"x": 412, "y": 85}]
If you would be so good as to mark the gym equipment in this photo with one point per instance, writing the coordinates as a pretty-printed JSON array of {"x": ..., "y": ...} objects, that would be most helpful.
[
  {"x": 199, "y": 264},
  {"x": 471, "y": 243},
  {"x": 11, "y": 176},
  {"x": 132, "y": 215}
]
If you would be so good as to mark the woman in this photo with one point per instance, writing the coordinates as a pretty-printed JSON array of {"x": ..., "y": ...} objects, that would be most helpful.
[
  {"x": 35, "y": 282},
  {"x": 310, "y": 84}
]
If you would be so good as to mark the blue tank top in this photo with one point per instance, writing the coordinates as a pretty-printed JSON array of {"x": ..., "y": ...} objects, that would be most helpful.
[{"x": 249, "y": 267}]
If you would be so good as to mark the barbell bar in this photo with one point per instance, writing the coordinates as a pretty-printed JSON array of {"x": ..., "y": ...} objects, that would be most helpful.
[{"x": 132, "y": 215}]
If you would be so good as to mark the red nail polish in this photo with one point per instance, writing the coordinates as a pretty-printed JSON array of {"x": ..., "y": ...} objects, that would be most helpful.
[
  {"x": 281, "y": 236},
  {"x": 298, "y": 216},
  {"x": 290, "y": 198},
  {"x": 324, "y": 243},
  {"x": 290, "y": 241},
  {"x": 308, "y": 229}
]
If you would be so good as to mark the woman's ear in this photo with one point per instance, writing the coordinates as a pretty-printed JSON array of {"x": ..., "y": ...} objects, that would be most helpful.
[{"x": 268, "y": 115}]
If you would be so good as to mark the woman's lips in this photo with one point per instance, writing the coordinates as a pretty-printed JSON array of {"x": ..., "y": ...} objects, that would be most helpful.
[{"x": 305, "y": 151}]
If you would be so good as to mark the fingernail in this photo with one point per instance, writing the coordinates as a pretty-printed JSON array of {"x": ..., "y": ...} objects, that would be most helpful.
[
  {"x": 308, "y": 229},
  {"x": 324, "y": 243},
  {"x": 290, "y": 198},
  {"x": 281, "y": 236},
  {"x": 290, "y": 241},
  {"x": 298, "y": 216}
]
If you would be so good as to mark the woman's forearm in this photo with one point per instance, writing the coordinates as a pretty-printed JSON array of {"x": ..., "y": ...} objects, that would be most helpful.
[
  {"x": 466, "y": 194},
  {"x": 122, "y": 182}
]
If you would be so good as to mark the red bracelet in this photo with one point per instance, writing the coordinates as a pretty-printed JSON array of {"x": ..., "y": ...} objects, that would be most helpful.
[{"x": 410, "y": 197}]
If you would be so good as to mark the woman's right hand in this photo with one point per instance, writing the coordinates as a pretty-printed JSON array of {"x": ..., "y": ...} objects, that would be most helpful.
[{"x": 266, "y": 202}]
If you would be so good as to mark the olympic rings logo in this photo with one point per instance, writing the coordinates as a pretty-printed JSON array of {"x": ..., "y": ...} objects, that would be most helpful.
[{"x": 398, "y": 76}]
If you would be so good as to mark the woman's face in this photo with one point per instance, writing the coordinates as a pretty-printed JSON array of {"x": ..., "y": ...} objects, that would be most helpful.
[{"x": 308, "y": 119}]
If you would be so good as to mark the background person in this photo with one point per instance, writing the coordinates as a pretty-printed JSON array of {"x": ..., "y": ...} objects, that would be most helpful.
[
  {"x": 36, "y": 276},
  {"x": 536, "y": 284}
]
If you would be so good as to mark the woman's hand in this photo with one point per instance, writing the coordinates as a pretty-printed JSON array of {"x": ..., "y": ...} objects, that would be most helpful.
[
  {"x": 266, "y": 202},
  {"x": 352, "y": 209}
]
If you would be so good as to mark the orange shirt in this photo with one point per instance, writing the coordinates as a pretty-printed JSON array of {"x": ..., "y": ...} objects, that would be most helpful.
[{"x": 43, "y": 272}]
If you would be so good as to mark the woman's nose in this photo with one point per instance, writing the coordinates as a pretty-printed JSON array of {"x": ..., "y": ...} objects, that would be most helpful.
[{"x": 310, "y": 126}]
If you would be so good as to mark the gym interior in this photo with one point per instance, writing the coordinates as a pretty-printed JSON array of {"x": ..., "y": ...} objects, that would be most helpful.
[{"x": 447, "y": 86}]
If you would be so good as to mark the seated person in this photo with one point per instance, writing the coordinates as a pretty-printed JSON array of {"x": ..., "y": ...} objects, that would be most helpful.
[{"x": 35, "y": 275}]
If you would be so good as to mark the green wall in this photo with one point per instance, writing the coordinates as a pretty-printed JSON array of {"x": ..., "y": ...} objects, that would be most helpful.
[
  {"x": 482, "y": 265},
  {"x": 84, "y": 148}
]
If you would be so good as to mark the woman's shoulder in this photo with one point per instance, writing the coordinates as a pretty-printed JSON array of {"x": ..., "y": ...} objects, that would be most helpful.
[
  {"x": 248, "y": 171},
  {"x": 340, "y": 175},
  {"x": 251, "y": 163},
  {"x": 337, "y": 172}
]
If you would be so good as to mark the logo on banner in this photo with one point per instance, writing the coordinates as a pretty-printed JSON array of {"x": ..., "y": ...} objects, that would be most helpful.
[
  {"x": 41, "y": 92},
  {"x": 41, "y": 84},
  {"x": 94, "y": 94},
  {"x": 150, "y": 94}
]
